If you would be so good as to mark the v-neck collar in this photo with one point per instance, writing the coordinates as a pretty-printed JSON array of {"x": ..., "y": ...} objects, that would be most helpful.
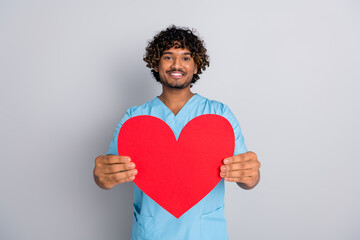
[{"x": 181, "y": 110}]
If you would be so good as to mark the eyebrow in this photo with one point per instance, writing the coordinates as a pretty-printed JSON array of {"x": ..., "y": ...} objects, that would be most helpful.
[{"x": 186, "y": 53}]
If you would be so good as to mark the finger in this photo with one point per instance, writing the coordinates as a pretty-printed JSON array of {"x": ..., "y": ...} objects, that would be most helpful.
[
  {"x": 244, "y": 157},
  {"x": 235, "y": 159},
  {"x": 240, "y": 166},
  {"x": 246, "y": 180},
  {"x": 112, "y": 159},
  {"x": 238, "y": 174},
  {"x": 114, "y": 168},
  {"x": 117, "y": 177},
  {"x": 111, "y": 184},
  {"x": 128, "y": 179}
]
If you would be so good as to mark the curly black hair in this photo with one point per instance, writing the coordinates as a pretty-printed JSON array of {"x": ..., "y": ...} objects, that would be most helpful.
[{"x": 178, "y": 37}]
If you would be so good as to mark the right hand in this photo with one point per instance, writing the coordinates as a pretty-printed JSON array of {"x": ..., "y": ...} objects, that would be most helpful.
[{"x": 111, "y": 170}]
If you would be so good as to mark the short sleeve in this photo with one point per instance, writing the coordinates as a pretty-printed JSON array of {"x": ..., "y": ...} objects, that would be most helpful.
[
  {"x": 240, "y": 146},
  {"x": 113, "y": 149}
]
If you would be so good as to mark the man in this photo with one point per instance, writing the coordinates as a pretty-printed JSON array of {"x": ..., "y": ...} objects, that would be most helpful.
[{"x": 177, "y": 57}]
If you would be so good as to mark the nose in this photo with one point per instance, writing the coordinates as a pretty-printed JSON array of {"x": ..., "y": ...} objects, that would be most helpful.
[{"x": 176, "y": 63}]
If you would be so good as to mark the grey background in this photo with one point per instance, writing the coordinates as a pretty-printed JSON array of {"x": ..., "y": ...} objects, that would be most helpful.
[{"x": 289, "y": 70}]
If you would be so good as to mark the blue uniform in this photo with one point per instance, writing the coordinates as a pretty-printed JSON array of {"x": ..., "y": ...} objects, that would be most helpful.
[{"x": 206, "y": 219}]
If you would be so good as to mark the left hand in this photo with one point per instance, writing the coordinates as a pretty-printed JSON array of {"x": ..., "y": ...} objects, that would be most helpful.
[{"x": 242, "y": 168}]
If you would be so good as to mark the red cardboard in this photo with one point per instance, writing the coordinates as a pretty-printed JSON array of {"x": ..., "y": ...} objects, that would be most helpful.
[{"x": 177, "y": 174}]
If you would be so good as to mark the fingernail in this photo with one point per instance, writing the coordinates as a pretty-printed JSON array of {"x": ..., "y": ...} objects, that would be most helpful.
[
  {"x": 222, "y": 174},
  {"x": 226, "y": 161},
  {"x": 134, "y": 171},
  {"x": 223, "y": 168},
  {"x": 131, "y": 165},
  {"x": 127, "y": 159}
]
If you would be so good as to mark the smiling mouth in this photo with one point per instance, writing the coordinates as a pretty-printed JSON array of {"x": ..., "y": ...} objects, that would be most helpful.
[{"x": 176, "y": 74}]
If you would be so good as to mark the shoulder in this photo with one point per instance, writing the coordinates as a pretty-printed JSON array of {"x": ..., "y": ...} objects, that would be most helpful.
[
  {"x": 143, "y": 109},
  {"x": 133, "y": 112},
  {"x": 214, "y": 106}
]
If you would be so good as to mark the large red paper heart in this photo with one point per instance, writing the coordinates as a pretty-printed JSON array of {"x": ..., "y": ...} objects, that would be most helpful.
[{"x": 177, "y": 174}]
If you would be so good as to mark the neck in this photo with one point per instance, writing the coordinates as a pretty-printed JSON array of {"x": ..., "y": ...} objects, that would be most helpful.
[{"x": 175, "y": 99}]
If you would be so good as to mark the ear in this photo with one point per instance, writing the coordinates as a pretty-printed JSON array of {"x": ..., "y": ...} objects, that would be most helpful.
[
  {"x": 195, "y": 69},
  {"x": 156, "y": 69}
]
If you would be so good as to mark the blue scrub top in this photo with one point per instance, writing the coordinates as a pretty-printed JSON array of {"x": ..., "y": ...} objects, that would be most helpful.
[{"x": 204, "y": 221}]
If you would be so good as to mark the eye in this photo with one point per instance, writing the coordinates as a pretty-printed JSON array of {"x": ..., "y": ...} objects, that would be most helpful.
[
  {"x": 186, "y": 58},
  {"x": 167, "y": 57}
]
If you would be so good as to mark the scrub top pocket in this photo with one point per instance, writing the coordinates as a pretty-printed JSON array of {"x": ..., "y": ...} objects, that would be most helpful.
[
  {"x": 143, "y": 227},
  {"x": 213, "y": 225}
]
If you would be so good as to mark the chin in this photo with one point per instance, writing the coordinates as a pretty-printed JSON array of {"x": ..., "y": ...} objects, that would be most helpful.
[{"x": 177, "y": 86}]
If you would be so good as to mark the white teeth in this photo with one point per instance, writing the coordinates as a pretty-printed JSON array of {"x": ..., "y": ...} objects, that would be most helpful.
[{"x": 176, "y": 74}]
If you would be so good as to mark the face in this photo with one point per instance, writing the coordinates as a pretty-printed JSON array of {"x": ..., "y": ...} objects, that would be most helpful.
[{"x": 176, "y": 68}]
